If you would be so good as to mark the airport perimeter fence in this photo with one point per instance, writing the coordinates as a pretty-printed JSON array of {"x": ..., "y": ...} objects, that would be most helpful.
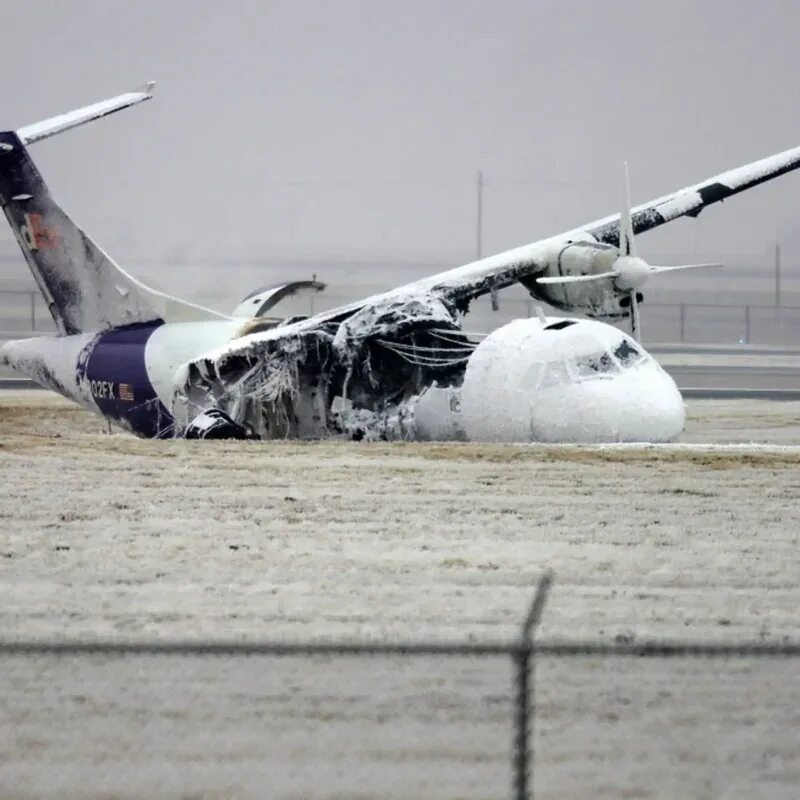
[
  {"x": 23, "y": 313},
  {"x": 400, "y": 719}
]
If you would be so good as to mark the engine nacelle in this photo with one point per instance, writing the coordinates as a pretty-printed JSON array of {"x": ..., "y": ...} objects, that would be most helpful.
[
  {"x": 567, "y": 381},
  {"x": 586, "y": 258},
  {"x": 595, "y": 298}
]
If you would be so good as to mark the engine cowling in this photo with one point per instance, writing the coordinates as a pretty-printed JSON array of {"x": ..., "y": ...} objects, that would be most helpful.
[
  {"x": 586, "y": 258},
  {"x": 567, "y": 381},
  {"x": 577, "y": 258}
]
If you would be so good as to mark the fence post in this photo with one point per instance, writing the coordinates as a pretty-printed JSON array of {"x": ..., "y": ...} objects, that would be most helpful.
[
  {"x": 747, "y": 324},
  {"x": 524, "y": 680}
]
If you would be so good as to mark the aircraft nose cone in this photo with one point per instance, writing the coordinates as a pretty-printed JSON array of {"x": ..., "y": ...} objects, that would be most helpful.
[
  {"x": 643, "y": 405},
  {"x": 529, "y": 384}
]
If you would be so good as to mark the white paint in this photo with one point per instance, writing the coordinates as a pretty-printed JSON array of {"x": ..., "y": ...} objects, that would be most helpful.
[
  {"x": 51, "y": 361},
  {"x": 171, "y": 346},
  {"x": 526, "y": 383}
]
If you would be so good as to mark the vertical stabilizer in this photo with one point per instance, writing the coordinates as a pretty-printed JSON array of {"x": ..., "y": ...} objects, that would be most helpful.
[{"x": 84, "y": 289}]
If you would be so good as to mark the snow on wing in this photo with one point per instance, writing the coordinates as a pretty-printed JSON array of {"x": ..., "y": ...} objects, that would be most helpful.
[
  {"x": 692, "y": 200},
  {"x": 460, "y": 285},
  {"x": 529, "y": 261}
]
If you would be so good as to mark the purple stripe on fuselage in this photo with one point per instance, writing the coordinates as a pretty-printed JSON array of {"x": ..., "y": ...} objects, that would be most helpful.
[{"x": 114, "y": 366}]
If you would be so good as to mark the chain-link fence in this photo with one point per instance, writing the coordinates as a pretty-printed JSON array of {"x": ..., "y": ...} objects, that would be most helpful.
[
  {"x": 23, "y": 313},
  {"x": 386, "y": 720},
  {"x": 249, "y": 725}
]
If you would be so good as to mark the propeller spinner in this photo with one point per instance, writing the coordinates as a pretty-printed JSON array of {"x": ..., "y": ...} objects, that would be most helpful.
[{"x": 629, "y": 272}]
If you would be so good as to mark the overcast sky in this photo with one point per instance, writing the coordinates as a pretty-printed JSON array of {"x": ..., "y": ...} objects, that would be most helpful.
[{"x": 356, "y": 128}]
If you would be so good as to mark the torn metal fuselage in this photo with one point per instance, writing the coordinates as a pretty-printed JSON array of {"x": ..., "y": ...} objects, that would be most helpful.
[{"x": 359, "y": 375}]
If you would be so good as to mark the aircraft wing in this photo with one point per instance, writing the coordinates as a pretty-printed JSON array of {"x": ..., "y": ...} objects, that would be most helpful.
[
  {"x": 691, "y": 201},
  {"x": 497, "y": 272},
  {"x": 458, "y": 286},
  {"x": 260, "y": 363}
]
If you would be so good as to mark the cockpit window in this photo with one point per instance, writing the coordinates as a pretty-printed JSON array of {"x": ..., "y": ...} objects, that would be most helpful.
[
  {"x": 601, "y": 364},
  {"x": 555, "y": 372},
  {"x": 559, "y": 326},
  {"x": 595, "y": 364},
  {"x": 626, "y": 353}
]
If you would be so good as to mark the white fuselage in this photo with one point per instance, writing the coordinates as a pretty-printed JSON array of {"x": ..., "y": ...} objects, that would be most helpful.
[{"x": 101, "y": 370}]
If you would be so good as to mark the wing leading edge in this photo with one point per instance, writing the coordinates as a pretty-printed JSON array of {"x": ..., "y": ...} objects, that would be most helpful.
[
  {"x": 502, "y": 270},
  {"x": 689, "y": 202}
]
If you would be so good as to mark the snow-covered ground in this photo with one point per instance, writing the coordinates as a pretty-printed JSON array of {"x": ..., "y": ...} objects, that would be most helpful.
[{"x": 112, "y": 536}]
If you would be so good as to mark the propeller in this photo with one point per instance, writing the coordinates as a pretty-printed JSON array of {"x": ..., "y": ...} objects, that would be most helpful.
[{"x": 629, "y": 272}]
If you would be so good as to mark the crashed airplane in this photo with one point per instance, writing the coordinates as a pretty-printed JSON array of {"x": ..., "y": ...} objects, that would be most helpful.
[{"x": 398, "y": 365}]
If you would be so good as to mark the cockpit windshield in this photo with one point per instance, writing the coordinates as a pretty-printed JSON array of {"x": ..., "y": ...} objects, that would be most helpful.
[
  {"x": 595, "y": 364},
  {"x": 626, "y": 353},
  {"x": 600, "y": 364}
]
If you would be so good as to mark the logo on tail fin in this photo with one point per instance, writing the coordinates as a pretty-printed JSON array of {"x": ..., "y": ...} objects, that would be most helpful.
[{"x": 36, "y": 235}]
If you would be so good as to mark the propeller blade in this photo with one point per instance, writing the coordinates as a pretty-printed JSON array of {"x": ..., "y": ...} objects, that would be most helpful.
[
  {"x": 579, "y": 278},
  {"x": 636, "y": 323},
  {"x": 682, "y": 266},
  {"x": 627, "y": 246}
]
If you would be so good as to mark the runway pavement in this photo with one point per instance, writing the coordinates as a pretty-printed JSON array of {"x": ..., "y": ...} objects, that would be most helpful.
[
  {"x": 700, "y": 370},
  {"x": 720, "y": 393},
  {"x": 695, "y": 380}
]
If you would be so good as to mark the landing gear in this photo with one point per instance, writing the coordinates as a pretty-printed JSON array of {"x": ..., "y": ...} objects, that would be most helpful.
[
  {"x": 216, "y": 424},
  {"x": 632, "y": 300}
]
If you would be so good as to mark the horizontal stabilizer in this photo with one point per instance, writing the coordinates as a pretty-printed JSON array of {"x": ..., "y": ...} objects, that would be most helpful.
[
  {"x": 259, "y": 302},
  {"x": 72, "y": 119},
  {"x": 84, "y": 289}
]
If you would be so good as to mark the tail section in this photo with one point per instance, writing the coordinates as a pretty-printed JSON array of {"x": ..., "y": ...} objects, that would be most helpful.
[
  {"x": 64, "y": 122},
  {"x": 84, "y": 289}
]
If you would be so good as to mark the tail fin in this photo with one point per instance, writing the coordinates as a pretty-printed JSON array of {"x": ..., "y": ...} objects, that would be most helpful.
[{"x": 84, "y": 289}]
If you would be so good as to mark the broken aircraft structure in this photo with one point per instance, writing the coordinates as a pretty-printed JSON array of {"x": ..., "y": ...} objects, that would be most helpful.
[{"x": 398, "y": 365}]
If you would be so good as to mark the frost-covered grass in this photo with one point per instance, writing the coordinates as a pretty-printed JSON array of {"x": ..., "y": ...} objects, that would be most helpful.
[{"x": 113, "y": 536}]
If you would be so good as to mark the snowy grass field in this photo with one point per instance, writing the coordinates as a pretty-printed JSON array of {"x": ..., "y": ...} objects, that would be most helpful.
[{"x": 107, "y": 535}]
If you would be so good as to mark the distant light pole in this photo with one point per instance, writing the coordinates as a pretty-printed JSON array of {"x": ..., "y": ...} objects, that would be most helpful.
[
  {"x": 777, "y": 274},
  {"x": 479, "y": 236}
]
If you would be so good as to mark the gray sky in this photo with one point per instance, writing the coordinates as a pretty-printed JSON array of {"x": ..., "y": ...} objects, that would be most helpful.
[{"x": 354, "y": 129}]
